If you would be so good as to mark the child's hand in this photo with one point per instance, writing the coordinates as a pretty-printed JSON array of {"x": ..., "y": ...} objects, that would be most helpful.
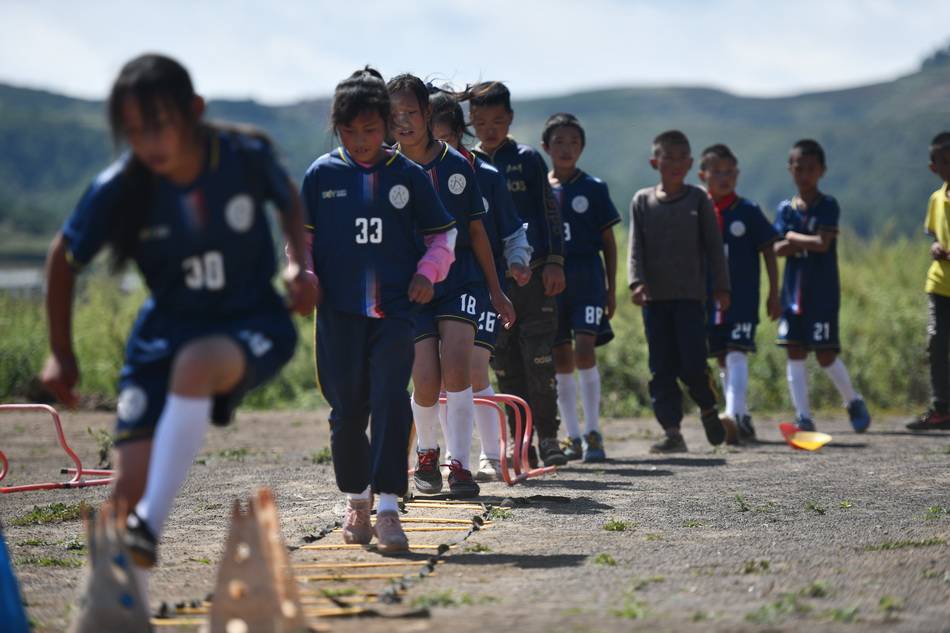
[
  {"x": 773, "y": 306},
  {"x": 60, "y": 376},
  {"x": 520, "y": 273},
  {"x": 505, "y": 309},
  {"x": 938, "y": 252},
  {"x": 552, "y": 276},
  {"x": 303, "y": 290},
  {"x": 611, "y": 304},
  {"x": 640, "y": 295},
  {"x": 723, "y": 300},
  {"x": 420, "y": 289}
]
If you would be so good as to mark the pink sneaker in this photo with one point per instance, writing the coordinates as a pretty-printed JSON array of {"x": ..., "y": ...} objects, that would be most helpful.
[
  {"x": 389, "y": 534},
  {"x": 357, "y": 528}
]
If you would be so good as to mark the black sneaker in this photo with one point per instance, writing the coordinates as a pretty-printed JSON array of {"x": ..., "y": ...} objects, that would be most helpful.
[
  {"x": 427, "y": 476},
  {"x": 551, "y": 453},
  {"x": 715, "y": 432},
  {"x": 572, "y": 448},
  {"x": 670, "y": 444},
  {"x": 746, "y": 430},
  {"x": 932, "y": 420},
  {"x": 141, "y": 543},
  {"x": 461, "y": 483}
]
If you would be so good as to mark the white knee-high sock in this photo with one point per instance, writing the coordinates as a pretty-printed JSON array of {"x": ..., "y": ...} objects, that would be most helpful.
[
  {"x": 737, "y": 384},
  {"x": 589, "y": 380},
  {"x": 360, "y": 496},
  {"x": 724, "y": 380},
  {"x": 387, "y": 503},
  {"x": 839, "y": 375},
  {"x": 178, "y": 438},
  {"x": 444, "y": 423},
  {"x": 798, "y": 387},
  {"x": 460, "y": 424},
  {"x": 567, "y": 404},
  {"x": 486, "y": 419},
  {"x": 426, "y": 420}
]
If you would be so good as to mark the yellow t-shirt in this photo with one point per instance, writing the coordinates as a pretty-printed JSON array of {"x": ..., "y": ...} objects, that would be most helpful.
[{"x": 938, "y": 225}]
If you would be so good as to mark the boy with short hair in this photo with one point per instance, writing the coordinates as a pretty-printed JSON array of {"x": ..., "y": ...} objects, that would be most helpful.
[
  {"x": 674, "y": 244},
  {"x": 523, "y": 360},
  {"x": 589, "y": 301},
  {"x": 746, "y": 233},
  {"x": 937, "y": 288},
  {"x": 811, "y": 293}
]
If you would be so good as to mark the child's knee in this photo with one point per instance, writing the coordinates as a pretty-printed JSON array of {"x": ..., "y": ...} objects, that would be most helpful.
[{"x": 826, "y": 357}]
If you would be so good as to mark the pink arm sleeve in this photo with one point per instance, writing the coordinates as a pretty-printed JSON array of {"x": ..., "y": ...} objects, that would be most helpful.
[{"x": 439, "y": 255}]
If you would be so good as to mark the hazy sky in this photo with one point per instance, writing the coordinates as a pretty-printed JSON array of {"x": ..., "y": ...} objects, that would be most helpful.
[{"x": 285, "y": 50}]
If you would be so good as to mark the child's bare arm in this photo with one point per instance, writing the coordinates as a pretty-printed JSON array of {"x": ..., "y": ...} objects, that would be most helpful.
[
  {"x": 610, "y": 263},
  {"x": 819, "y": 243},
  {"x": 772, "y": 304}
]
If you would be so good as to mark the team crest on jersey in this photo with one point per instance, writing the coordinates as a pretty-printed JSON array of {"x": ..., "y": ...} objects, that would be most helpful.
[
  {"x": 580, "y": 204},
  {"x": 329, "y": 194},
  {"x": 399, "y": 196},
  {"x": 485, "y": 202},
  {"x": 514, "y": 168},
  {"x": 457, "y": 183},
  {"x": 737, "y": 228},
  {"x": 132, "y": 403},
  {"x": 240, "y": 212},
  {"x": 783, "y": 327}
]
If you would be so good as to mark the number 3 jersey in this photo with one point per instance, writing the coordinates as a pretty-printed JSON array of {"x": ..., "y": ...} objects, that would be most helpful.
[
  {"x": 205, "y": 250},
  {"x": 365, "y": 222},
  {"x": 810, "y": 284}
]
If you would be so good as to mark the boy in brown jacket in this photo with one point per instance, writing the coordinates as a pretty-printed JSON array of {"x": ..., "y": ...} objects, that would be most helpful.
[{"x": 675, "y": 247}]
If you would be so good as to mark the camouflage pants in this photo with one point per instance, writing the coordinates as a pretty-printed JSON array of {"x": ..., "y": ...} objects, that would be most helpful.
[{"x": 523, "y": 360}]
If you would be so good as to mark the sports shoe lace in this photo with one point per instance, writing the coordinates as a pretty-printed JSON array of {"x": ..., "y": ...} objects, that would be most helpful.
[
  {"x": 457, "y": 472},
  {"x": 427, "y": 460}
]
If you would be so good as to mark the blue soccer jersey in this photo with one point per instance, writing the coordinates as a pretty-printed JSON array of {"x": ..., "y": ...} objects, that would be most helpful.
[
  {"x": 745, "y": 232},
  {"x": 502, "y": 219},
  {"x": 810, "y": 284},
  {"x": 365, "y": 222},
  {"x": 455, "y": 183},
  {"x": 587, "y": 211},
  {"x": 205, "y": 250},
  {"x": 527, "y": 176}
]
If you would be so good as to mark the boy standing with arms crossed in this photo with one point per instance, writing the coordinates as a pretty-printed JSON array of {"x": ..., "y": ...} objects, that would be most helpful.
[
  {"x": 523, "y": 359},
  {"x": 674, "y": 241},
  {"x": 746, "y": 233},
  {"x": 811, "y": 292},
  {"x": 938, "y": 291}
]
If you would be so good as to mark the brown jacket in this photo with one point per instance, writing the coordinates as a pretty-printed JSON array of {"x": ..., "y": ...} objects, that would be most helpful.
[{"x": 673, "y": 243}]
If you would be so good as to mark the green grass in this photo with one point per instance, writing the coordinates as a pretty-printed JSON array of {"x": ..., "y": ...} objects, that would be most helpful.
[
  {"x": 890, "y": 605},
  {"x": 755, "y": 566},
  {"x": 52, "y": 513},
  {"x": 881, "y": 281},
  {"x": 616, "y": 525},
  {"x": 322, "y": 457},
  {"x": 693, "y": 523},
  {"x": 815, "y": 507},
  {"x": 742, "y": 505},
  {"x": 904, "y": 544},
  {"x": 338, "y": 592},
  {"x": 204, "y": 560},
  {"x": 500, "y": 514},
  {"x": 477, "y": 548},
  {"x": 936, "y": 512},
  {"x": 816, "y": 589},
  {"x": 448, "y": 599},
  {"x": 776, "y": 611},
  {"x": 844, "y": 615},
  {"x": 846, "y": 505},
  {"x": 51, "y": 561},
  {"x": 604, "y": 559}
]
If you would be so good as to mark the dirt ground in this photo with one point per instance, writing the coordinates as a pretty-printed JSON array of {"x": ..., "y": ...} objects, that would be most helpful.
[{"x": 855, "y": 537}]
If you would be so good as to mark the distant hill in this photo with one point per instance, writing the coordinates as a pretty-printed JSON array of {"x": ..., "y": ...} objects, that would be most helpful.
[{"x": 876, "y": 138}]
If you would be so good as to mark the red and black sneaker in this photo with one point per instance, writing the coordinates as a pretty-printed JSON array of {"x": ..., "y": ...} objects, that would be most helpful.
[
  {"x": 461, "y": 483},
  {"x": 932, "y": 420},
  {"x": 427, "y": 476}
]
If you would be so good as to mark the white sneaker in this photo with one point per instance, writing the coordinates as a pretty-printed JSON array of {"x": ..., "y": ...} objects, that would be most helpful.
[{"x": 488, "y": 469}]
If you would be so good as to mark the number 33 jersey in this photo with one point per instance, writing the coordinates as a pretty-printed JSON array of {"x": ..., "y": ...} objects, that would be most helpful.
[
  {"x": 205, "y": 250},
  {"x": 365, "y": 222}
]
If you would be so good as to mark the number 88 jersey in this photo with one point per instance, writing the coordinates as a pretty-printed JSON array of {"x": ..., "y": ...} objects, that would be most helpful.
[{"x": 205, "y": 250}]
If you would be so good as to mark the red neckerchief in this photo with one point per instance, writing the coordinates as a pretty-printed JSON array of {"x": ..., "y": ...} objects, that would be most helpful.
[
  {"x": 721, "y": 206},
  {"x": 470, "y": 157}
]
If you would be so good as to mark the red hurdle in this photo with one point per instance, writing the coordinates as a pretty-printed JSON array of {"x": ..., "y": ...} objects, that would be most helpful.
[
  {"x": 102, "y": 477},
  {"x": 522, "y": 440}
]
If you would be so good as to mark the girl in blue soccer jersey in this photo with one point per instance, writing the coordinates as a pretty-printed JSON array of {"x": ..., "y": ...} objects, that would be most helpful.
[
  {"x": 509, "y": 244},
  {"x": 367, "y": 204},
  {"x": 186, "y": 203},
  {"x": 445, "y": 329},
  {"x": 589, "y": 300}
]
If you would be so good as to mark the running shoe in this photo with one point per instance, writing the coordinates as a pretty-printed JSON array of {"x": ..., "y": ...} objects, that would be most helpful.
[
  {"x": 389, "y": 535},
  {"x": 804, "y": 424},
  {"x": 427, "y": 476},
  {"x": 859, "y": 416},
  {"x": 357, "y": 529},
  {"x": 594, "y": 448},
  {"x": 746, "y": 430},
  {"x": 551, "y": 453},
  {"x": 140, "y": 541},
  {"x": 489, "y": 469},
  {"x": 461, "y": 483},
  {"x": 932, "y": 420},
  {"x": 670, "y": 444},
  {"x": 715, "y": 432},
  {"x": 572, "y": 448}
]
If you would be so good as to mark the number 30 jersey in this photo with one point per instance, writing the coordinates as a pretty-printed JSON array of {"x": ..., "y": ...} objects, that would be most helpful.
[
  {"x": 365, "y": 222},
  {"x": 205, "y": 250}
]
